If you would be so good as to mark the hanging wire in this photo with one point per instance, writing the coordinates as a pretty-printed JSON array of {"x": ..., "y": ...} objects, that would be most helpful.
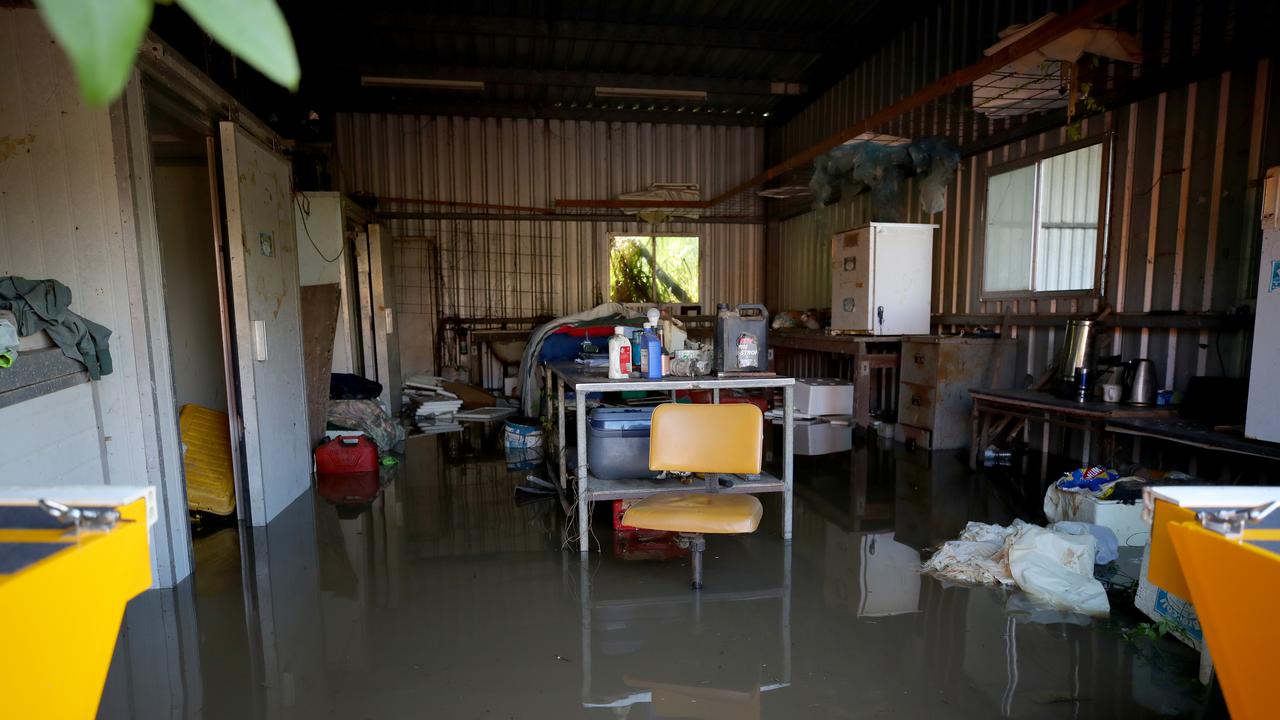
[{"x": 303, "y": 213}]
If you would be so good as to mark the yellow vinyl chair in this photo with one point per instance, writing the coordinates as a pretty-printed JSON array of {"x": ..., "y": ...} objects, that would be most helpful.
[{"x": 712, "y": 440}]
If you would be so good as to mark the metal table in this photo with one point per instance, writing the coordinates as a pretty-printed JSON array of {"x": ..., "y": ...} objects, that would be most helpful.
[
  {"x": 583, "y": 380},
  {"x": 1194, "y": 434},
  {"x": 994, "y": 410}
]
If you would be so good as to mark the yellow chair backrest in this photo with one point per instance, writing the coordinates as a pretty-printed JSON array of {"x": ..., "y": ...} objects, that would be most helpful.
[{"x": 706, "y": 438}]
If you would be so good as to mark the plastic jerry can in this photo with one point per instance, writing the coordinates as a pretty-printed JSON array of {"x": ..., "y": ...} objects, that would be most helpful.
[
  {"x": 742, "y": 339},
  {"x": 347, "y": 454}
]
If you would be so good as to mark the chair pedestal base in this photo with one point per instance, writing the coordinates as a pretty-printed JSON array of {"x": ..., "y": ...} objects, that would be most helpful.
[{"x": 697, "y": 543}]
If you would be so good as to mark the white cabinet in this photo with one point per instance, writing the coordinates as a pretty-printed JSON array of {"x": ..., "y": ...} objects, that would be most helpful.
[
  {"x": 881, "y": 275},
  {"x": 1262, "y": 419}
]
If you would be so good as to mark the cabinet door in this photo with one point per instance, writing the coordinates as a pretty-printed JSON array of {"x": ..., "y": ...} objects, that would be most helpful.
[
  {"x": 902, "y": 279},
  {"x": 382, "y": 288},
  {"x": 851, "y": 280}
]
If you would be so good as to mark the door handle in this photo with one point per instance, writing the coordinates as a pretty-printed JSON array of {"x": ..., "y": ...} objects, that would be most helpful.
[
  {"x": 260, "y": 340},
  {"x": 919, "y": 358},
  {"x": 915, "y": 400}
]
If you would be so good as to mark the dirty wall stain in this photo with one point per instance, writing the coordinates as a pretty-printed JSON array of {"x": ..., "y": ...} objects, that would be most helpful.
[{"x": 10, "y": 145}]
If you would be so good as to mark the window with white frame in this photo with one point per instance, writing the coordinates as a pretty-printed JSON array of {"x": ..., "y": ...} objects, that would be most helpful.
[
  {"x": 654, "y": 268},
  {"x": 1043, "y": 225}
]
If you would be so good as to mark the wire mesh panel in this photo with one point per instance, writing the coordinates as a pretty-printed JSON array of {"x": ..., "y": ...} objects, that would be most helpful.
[{"x": 493, "y": 272}]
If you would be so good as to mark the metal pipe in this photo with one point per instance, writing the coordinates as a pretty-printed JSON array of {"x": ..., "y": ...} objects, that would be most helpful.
[{"x": 564, "y": 217}]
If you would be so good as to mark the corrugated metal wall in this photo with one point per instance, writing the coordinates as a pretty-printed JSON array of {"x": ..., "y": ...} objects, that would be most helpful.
[
  {"x": 1186, "y": 169},
  {"x": 498, "y": 268}
]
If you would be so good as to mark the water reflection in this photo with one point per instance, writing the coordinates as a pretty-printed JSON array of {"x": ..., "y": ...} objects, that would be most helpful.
[{"x": 440, "y": 596}]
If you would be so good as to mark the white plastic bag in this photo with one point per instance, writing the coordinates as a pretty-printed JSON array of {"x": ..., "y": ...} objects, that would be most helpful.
[
  {"x": 1057, "y": 569},
  {"x": 977, "y": 562},
  {"x": 1108, "y": 544}
]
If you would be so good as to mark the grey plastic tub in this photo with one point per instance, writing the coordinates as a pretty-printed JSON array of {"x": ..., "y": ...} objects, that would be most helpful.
[{"x": 618, "y": 443}]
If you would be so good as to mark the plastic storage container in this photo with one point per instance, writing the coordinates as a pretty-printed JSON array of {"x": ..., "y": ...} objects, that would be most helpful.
[
  {"x": 824, "y": 396},
  {"x": 618, "y": 443}
]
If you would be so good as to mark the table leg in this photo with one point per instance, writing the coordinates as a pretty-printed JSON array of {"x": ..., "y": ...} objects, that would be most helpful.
[
  {"x": 788, "y": 452},
  {"x": 1044, "y": 448},
  {"x": 584, "y": 597},
  {"x": 977, "y": 434},
  {"x": 715, "y": 395},
  {"x": 584, "y": 514},
  {"x": 861, "y": 389},
  {"x": 1088, "y": 444},
  {"x": 560, "y": 447},
  {"x": 786, "y": 613}
]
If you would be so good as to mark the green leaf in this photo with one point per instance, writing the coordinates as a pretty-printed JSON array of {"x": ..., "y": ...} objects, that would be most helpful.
[
  {"x": 254, "y": 30},
  {"x": 101, "y": 37}
]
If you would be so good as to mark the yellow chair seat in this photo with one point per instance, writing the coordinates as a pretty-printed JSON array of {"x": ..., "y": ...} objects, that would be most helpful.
[
  {"x": 706, "y": 438},
  {"x": 720, "y": 513}
]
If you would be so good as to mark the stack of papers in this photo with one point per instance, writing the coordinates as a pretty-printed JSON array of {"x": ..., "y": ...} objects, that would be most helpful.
[{"x": 434, "y": 407}]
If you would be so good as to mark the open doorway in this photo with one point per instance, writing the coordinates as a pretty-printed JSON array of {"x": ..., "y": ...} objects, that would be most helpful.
[{"x": 188, "y": 226}]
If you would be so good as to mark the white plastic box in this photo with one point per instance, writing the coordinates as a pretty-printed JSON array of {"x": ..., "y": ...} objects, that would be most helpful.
[
  {"x": 823, "y": 396},
  {"x": 1125, "y": 520},
  {"x": 822, "y": 438}
]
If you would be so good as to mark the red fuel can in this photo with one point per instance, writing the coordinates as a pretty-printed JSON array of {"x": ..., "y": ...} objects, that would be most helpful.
[{"x": 347, "y": 454}]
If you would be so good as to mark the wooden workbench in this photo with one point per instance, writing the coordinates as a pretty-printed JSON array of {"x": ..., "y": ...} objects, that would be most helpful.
[
  {"x": 997, "y": 413},
  {"x": 874, "y": 358}
]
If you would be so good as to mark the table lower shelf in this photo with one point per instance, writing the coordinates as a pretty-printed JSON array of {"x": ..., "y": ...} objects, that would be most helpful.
[{"x": 600, "y": 489}]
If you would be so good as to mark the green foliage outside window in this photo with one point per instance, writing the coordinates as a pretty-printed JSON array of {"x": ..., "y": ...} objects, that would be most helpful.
[{"x": 653, "y": 269}]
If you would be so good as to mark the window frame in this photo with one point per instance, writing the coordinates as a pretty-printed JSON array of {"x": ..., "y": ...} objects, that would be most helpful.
[
  {"x": 1104, "y": 196},
  {"x": 653, "y": 236}
]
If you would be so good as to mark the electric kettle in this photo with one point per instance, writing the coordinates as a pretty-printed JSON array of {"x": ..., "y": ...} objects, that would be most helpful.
[{"x": 1139, "y": 378}]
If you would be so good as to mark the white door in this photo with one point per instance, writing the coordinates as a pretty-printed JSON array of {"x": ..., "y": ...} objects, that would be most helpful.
[
  {"x": 901, "y": 279},
  {"x": 386, "y": 342},
  {"x": 262, "y": 249}
]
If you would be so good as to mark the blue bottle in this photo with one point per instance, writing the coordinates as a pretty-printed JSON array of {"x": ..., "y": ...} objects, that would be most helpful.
[{"x": 653, "y": 352}]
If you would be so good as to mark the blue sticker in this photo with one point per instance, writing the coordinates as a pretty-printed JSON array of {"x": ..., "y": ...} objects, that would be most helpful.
[{"x": 1275, "y": 276}]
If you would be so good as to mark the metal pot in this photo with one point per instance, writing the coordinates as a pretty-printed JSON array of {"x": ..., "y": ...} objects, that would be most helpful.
[
  {"x": 1076, "y": 354},
  {"x": 1139, "y": 380}
]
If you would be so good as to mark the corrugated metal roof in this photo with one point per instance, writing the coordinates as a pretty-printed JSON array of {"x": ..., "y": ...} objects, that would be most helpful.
[{"x": 678, "y": 40}]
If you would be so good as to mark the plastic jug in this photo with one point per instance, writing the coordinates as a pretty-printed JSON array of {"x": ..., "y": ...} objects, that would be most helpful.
[
  {"x": 619, "y": 355},
  {"x": 653, "y": 354},
  {"x": 742, "y": 340}
]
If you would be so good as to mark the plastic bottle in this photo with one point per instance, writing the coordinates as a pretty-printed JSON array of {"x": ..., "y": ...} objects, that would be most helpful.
[
  {"x": 642, "y": 355},
  {"x": 637, "y": 339},
  {"x": 652, "y": 353},
  {"x": 619, "y": 355}
]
